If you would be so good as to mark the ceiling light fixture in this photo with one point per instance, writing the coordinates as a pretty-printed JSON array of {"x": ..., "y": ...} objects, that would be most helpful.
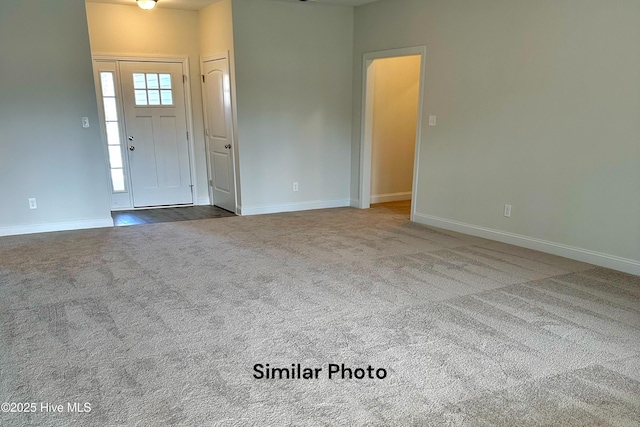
[{"x": 147, "y": 4}]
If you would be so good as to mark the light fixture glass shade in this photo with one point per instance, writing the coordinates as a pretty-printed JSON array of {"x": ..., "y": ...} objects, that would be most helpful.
[{"x": 147, "y": 4}]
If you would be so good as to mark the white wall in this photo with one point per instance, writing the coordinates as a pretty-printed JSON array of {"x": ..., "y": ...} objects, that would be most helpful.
[
  {"x": 216, "y": 28},
  {"x": 47, "y": 87},
  {"x": 395, "y": 114},
  {"x": 293, "y": 77},
  {"x": 129, "y": 30},
  {"x": 537, "y": 105}
]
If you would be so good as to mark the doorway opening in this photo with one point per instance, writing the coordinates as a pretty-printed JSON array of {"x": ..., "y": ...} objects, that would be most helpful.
[{"x": 392, "y": 106}]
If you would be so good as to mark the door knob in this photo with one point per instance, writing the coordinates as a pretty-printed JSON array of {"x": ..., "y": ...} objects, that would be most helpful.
[
  {"x": 227, "y": 146},
  {"x": 132, "y": 148},
  {"x": 130, "y": 138}
]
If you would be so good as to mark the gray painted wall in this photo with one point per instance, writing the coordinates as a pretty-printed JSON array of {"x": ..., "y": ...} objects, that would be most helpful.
[
  {"x": 293, "y": 78},
  {"x": 538, "y": 106},
  {"x": 47, "y": 86}
]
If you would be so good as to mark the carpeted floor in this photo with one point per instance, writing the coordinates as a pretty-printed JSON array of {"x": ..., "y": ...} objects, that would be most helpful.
[{"x": 162, "y": 324}]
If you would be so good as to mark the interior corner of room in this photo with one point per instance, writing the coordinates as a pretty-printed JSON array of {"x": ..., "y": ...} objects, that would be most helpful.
[{"x": 520, "y": 125}]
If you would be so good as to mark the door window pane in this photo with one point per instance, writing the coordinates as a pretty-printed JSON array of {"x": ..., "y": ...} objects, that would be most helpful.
[
  {"x": 108, "y": 88},
  {"x": 152, "y": 81},
  {"x": 139, "y": 81},
  {"x": 117, "y": 179},
  {"x": 113, "y": 133},
  {"x": 141, "y": 97},
  {"x": 154, "y": 97},
  {"x": 110, "y": 109},
  {"x": 115, "y": 156},
  {"x": 167, "y": 97},
  {"x": 165, "y": 81}
]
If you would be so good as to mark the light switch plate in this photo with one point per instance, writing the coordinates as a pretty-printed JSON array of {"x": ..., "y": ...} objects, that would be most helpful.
[
  {"x": 432, "y": 120},
  {"x": 85, "y": 122}
]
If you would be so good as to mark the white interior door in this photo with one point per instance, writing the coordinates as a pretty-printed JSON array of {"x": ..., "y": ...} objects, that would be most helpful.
[
  {"x": 217, "y": 100},
  {"x": 156, "y": 130}
]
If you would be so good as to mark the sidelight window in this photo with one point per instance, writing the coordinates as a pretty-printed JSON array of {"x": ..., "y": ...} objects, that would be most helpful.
[{"x": 112, "y": 125}]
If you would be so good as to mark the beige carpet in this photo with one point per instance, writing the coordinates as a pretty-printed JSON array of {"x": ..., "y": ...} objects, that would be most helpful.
[{"x": 162, "y": 324}]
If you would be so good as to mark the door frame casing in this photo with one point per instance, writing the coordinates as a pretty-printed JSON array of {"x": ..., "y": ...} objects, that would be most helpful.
[
  {"x": 234, "y": 133},
  {"x": 366, "y": 121},
  {"x": 184, "y": 61}
]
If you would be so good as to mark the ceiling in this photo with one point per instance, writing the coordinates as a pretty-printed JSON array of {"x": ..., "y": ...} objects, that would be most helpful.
[{"x": 199, "y": 4}]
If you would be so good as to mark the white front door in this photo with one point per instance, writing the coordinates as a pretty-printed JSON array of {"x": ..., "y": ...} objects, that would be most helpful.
[
  {"x": 217, "y": 100},
  {"x": 156, "y": 133}
]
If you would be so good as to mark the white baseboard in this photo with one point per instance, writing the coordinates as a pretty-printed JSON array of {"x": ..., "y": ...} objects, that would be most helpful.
[
  {"x": 391, "y": 197},
  {"x": 203, "y": 201},
  {"x": 56, "y": 226},
  {"x": 579, "y": 254},
  {"x": 293, "y": 207}
]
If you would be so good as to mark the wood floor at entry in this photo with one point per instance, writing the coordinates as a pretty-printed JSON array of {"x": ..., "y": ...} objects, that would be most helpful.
[{"x": 153, "y": 216}]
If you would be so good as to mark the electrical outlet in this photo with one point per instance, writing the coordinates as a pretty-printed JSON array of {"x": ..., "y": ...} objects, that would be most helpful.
[
  {"x": 295, "y": 186},
  {"x": 33, "y": 204},
  {"x": 507, "y": 211}
]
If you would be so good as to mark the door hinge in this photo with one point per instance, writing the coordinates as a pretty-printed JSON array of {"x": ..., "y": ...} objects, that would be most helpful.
[
  {"x": 211, "y": 183},
  {"x": 203, "y": 78},
  {"x": 187, "y": 135},
  {"x": 184, "y": 78}
]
